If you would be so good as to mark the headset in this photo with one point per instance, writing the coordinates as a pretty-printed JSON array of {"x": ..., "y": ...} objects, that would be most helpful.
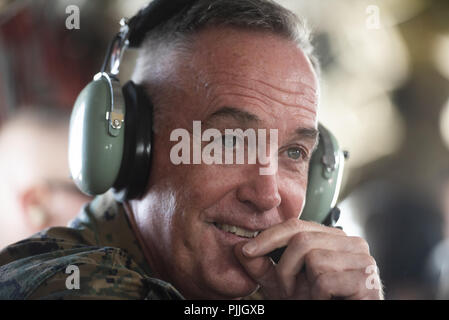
[{"x": 110, "y": 137}]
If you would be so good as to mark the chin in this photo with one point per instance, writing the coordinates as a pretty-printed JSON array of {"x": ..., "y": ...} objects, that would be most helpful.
[{"x": 234, "y": 284}]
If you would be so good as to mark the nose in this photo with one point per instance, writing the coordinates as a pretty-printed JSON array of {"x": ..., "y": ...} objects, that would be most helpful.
[{"x": 261, "y": 192}]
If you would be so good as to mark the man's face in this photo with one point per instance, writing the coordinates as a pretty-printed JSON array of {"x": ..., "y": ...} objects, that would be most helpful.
[{"x": 233, "y": 79}]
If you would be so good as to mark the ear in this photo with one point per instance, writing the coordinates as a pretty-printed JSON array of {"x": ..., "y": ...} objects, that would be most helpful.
[{"x": 33, "y": 203}]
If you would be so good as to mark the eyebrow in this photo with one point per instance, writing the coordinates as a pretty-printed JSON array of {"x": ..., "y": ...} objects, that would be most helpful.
[
  {"x": 242, "y": 116},
  {"x": 239, "y": 115},
  {"x": 311, "y": 134}
]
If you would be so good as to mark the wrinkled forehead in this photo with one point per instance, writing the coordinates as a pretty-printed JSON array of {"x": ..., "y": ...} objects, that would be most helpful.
[
  {"x": 253, "y": 66},
  {"x": 227, "y": 53}
]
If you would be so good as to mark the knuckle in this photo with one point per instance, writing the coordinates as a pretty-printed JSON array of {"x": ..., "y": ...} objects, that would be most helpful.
[
  {"x": 294, "y": 223},
  {"x": 340, "y": 232},
  {"x": 314, "y": 257},
  {"x": 370, "y": 261},
  {"x": 321, "y": 284},
  {"x": 301, "y": 239},
  {"x": 310, "y": 260},
  {"x": 361, "y": 243},
  {"x": 361, "y": 282},
  {"x": 358, "y": 284},
  {"x": 315, "y": 263}
]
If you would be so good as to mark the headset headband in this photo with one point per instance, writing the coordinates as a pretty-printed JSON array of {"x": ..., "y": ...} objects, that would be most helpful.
[
  {"x": 133, "y": 31},
  {"x": 151, "y": 16}
]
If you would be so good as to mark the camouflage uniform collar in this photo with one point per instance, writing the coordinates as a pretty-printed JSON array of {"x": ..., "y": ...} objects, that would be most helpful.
[{"x": 111, "y": 228}]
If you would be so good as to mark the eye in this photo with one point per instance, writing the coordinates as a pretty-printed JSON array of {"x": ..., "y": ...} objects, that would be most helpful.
[
  {"x": 295, "y": 153},
  {"x": 229, "y": 141}
]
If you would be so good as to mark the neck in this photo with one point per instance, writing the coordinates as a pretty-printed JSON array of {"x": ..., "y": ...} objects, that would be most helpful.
[{"x": 146, "y": 252}]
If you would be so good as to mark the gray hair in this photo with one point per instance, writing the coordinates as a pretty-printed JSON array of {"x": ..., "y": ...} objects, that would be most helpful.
[
  {"x": 263, "y": 15},
  {"x": 174, "y": 36}
]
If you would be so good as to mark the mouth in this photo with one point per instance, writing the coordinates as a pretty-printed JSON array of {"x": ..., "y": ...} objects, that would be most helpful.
[{"x": 238, "y": 231}]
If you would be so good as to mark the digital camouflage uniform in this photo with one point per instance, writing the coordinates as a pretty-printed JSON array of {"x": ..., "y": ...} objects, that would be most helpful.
[{"x": 100, "y": 242}]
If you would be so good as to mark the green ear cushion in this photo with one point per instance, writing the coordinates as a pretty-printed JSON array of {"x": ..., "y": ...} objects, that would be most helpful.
[
  {"x": 323, "y": 185},
  {"x": 94, "y": 155}
]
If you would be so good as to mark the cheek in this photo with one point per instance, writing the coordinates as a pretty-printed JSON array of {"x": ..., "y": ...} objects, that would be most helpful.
[
  {"x": 293, "y": 193},
  {"x": 197, "y": 184},
  {"x": 210, "y": 184}
]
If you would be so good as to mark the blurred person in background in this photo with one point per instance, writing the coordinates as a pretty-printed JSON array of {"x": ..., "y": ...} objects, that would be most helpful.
[{"x": 35, "y": 189}]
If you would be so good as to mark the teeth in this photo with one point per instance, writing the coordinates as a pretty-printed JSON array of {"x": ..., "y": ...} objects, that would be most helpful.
[{"x": 237, "y": 230}]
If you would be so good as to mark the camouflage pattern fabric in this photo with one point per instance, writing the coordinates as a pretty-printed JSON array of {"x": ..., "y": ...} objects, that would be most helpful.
[{"x": 100, "y": 242}]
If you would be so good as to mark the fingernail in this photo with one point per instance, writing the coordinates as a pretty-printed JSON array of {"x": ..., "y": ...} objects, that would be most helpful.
[{"x": 249, "y": 248}]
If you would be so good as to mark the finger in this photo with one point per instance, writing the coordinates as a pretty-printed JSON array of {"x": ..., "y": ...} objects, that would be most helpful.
[
  {"x": 350, "y": 285},
  {"x": 320, "y": 261},
  {"x": 260, "y": 269},
  {"x": 302, "y": 291},
  {"x": 320, "y": 249},
  {"x": 279, "y": 235}
]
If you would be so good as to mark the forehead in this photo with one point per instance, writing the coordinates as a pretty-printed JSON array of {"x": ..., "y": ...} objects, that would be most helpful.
[
  {"x": 254, "y": 51},
  {"x": 258, "y": 69}
]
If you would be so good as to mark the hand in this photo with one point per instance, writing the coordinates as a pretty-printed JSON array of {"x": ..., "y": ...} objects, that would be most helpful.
[{"x": 319, "y": 263}]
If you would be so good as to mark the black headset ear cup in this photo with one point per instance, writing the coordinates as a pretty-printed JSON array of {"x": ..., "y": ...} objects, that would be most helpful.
[{"x": 136, "y": 163}]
